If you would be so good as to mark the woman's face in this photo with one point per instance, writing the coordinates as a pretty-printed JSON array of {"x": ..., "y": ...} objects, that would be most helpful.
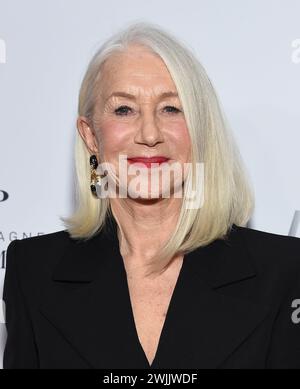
[{"x": 146, "y": 123}]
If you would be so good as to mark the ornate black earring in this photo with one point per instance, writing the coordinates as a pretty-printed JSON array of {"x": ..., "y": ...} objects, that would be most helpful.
[{"x": 95, "y": 178}]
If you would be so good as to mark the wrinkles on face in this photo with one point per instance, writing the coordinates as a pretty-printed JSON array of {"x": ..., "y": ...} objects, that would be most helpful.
[
  {"x": 146, "y": 120},
  {"x": 121, "y": 108}
]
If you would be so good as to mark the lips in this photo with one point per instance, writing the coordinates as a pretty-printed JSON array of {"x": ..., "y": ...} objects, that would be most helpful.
[{"x": 148, "y": 161}]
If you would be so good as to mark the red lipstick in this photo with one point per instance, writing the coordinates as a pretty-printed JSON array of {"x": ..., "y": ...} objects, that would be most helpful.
[{"x": 147, "y": 161}]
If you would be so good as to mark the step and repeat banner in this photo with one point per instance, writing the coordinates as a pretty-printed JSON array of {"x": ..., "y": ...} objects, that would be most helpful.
[{"x": 251, "y": 52}]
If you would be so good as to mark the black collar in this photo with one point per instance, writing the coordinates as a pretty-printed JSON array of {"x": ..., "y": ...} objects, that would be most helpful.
[
  {"x": 87, "y": 301},
  {"x": 219, "y": 263}
]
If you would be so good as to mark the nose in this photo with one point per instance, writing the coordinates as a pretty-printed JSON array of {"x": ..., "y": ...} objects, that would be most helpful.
[{"x": 149, "y": 132}]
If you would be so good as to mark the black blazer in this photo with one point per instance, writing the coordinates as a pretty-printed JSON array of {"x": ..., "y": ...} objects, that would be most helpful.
[{"x": 234, "y": 305}]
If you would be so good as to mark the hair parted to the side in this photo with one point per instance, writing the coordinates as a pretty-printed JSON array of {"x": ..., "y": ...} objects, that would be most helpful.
[{"x": 228, "y": 193}]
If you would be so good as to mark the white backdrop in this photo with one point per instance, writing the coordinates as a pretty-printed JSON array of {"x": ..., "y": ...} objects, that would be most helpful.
[{"x": 250, "y": 49}]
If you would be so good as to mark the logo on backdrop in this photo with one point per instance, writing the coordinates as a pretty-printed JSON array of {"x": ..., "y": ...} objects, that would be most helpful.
[
  {"x": 3, "y": 195},
  {"x": 9, "y": 237}
]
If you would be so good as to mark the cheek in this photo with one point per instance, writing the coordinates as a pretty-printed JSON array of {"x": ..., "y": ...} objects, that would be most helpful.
[
  {"x": 180, "y": 139},
  {"x": 113, "y": 137}
]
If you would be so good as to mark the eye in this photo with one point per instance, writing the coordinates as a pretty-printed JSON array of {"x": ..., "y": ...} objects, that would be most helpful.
[
  {"x": 172, "y": 109},
  {"x": 122, "y": 110}
]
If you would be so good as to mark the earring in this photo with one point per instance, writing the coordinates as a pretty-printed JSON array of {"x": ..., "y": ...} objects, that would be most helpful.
[{"x": 95, "y": 178}]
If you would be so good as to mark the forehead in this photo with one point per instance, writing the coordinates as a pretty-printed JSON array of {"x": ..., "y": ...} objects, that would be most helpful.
[{"x": 135, "y": 71}]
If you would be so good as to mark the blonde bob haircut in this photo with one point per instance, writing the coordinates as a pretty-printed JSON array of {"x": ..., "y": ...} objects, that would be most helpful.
[{"x": 228, "y": 195}]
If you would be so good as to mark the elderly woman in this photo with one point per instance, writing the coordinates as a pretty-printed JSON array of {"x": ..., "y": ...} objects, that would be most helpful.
[{"x": 142, "y": 276}]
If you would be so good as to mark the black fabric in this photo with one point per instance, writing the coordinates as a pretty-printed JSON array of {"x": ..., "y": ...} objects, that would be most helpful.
[{"x": 68, "y": 305}]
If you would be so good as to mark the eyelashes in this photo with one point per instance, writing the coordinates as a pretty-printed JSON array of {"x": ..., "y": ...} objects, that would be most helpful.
[{"x": 123, "y": 110}]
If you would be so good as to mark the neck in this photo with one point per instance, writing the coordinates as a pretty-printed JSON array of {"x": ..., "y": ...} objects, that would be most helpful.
[{"x": 144, "y": 227}]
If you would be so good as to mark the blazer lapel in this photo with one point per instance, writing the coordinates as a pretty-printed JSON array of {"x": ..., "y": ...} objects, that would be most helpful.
[
  {"x": 88, "y": 302},
  {"x": 205, "y": 323}
]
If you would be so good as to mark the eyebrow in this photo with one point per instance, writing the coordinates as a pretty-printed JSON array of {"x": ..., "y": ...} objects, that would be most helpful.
[{"x": 133, "y": 97}]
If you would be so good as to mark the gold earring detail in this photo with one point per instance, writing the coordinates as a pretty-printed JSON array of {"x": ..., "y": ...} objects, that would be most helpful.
[{"x": 95, "y": 178}]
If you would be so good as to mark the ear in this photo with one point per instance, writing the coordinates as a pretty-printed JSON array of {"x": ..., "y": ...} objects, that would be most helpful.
[{"x": 88, "y": 135}]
